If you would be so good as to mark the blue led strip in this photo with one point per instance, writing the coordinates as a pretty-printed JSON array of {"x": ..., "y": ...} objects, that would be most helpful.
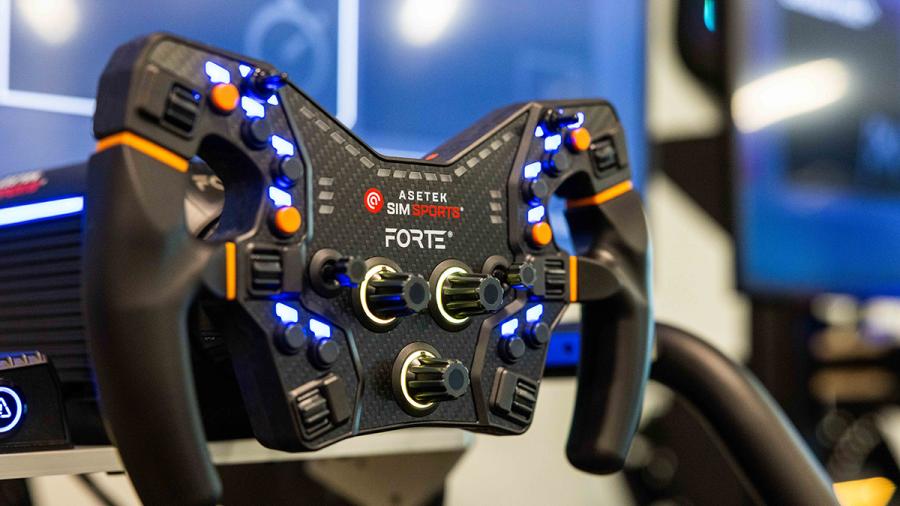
[
  {"x": 41, "y": 210},
  {"x": 282, "y": 146},
  {"x": 536, "y": 214},
  {"x": 534, "y": 313},
  {"x": 253, "y": 108},
  {"x": 319, "y": 328},
  {"x": 509, "y": 327},
  {"x": 280, "y": 197},
  {"x": 552, "y": 142},
  {"x": 532, "y": 170},
  {"x": 217, "y": 73},
  {"x": 286, "y": 313}
]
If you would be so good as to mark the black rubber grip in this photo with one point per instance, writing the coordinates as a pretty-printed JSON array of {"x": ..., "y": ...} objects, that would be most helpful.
[
  {"x": 141, "y": 271},
  {"x": 616, "y": 335},
  {"x": 767, "y": 448}
]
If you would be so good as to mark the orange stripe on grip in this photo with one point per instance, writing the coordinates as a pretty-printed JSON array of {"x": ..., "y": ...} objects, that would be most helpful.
[
  {"x": 230, "y": 271},
  {"x": 573, "y": 279},
  {"x": 604, "y": 196},
  {"x": 145, "y": 146}
]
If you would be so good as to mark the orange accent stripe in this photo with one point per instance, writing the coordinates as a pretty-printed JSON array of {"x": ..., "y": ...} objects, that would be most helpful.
[
  {"x": 604, "y": 196},
  {"x": 230, "y": 271},
  {"x": 145, "y": 146},
  {"x": 573, "y": 279}
]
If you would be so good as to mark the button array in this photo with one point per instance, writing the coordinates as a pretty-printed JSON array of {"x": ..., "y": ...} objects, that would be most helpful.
[
  {"x": 555, "y": 161},
  {"x": 515, "y": 340}
]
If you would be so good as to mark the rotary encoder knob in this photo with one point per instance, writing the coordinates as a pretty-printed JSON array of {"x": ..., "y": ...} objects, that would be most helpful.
[
  {"x": 422, "y": 379},
  {"x": 465, "y": 294},
  {"x": 521, "y": 275},
  {"x": 433, "y": 379},
  {"x": 393, "y": 294}
]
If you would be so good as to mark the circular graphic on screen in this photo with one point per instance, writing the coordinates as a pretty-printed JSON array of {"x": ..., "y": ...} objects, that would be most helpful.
[
  {"x": 293, "y": 38},
  {"x": 11, "y": 410}
]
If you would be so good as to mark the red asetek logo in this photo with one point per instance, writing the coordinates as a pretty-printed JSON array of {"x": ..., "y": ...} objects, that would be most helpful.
[{"x": 373, "y": 200}]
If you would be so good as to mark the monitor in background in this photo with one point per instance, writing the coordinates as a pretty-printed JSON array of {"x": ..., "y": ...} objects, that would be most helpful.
[
  {"x": 816, "y": 105},
  {"x": 403, "y": 74}
]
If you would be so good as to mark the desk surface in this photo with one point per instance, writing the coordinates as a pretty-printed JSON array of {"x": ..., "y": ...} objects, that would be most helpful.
[{"x": 96, "y": 459}]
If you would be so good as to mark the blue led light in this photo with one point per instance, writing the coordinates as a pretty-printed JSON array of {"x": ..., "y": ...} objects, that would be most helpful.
[
  {"x": 280, "y": 197},
  {"x": 253, "y": 108},
  {"x": 11, "y": 409},
  {"x": 509, "y": 327},
  {"x": 578, "y": 122},
  {"x": 532, "y": 170},
  {"x": 539, "y": 131},
  {"x": 534, "y": 313},
  {"x": 552, "y": 142},
  {"x": 41, "y": 210},
  {"x": 282, "y": 146},
  {"x": 319, "y": 329},
  {"x": 286, "y": 313},
  {"x": 536, "y": 214},
  {"x": 273, "y": 100},
  {"x": 244, "y": 70},
  {"x": 217, "y": 73}
]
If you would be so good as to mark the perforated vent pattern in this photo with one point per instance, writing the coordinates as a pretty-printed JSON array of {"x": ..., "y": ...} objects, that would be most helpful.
[{"x": 40, "y": 294}]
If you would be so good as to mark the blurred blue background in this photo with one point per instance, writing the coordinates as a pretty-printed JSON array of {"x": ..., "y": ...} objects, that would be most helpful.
[
  {"x": 817, "y": 113},
  {"x": 404, "y": 74}
]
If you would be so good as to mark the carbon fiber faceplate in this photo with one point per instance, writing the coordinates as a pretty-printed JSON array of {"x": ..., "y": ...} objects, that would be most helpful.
[{"x": 469, "y": 201}]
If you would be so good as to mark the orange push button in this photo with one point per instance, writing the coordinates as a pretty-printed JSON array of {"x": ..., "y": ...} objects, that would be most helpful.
[
  {"x": 224, "y": 97},
  {"x": 287, "y": 220},
  {"x": 541, "y": 234},
  {"x": 579, "y": 139}
]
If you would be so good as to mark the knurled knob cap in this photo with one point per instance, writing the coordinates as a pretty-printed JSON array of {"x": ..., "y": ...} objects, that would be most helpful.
[
  {"x": 345, "y": 271},
  {"x": 432, "y": 379},
  {"x": 264, "y": 83},
  {"x": 392, "y": 294},
  {"x": 521, "y": 275},
  {"x": 467, "y": 294}
]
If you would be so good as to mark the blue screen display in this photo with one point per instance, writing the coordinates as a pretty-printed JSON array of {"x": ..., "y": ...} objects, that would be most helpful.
[
  {"x": 405, "y": 75},
  {"x": 817, "y": 115}
]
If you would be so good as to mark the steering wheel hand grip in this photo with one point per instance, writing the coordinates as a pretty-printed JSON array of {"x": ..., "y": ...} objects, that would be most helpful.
[
  {"x": 616, "y": 332},
  {"x": 142, "y": 269}
]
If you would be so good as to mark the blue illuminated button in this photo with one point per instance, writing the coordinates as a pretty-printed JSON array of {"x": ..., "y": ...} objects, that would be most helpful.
[{"x": 12, "y": 409}]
